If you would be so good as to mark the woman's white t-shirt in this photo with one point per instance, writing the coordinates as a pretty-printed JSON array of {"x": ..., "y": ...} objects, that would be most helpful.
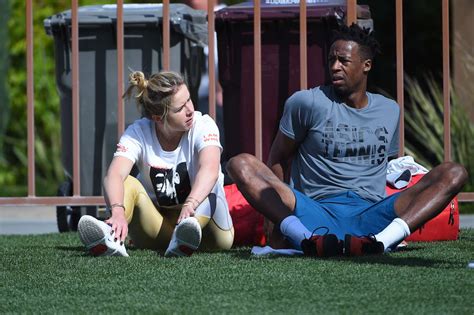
[{"x": 169, "y": 175}]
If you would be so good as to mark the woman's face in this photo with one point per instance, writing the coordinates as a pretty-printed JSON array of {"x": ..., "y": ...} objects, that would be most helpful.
[{"x": 181, "y": 113}]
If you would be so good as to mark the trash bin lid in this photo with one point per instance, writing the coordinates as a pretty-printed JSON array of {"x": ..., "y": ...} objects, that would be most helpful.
[
  {"x": 283, "y": 9},
  {"x": 281, "y": 3},
  {"x": 183, "y": 19},
  {"x": 290, "y": 9}
]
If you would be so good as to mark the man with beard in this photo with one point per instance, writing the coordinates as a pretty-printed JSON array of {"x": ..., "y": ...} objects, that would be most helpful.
[{"x": 332, "y": 147}]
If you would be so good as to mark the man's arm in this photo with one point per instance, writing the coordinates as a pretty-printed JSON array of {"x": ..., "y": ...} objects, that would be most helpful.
[{"x": 281, "y": 153}]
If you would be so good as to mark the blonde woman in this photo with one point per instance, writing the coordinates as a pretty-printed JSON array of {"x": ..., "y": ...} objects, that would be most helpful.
[{"x": 177, "y": 202}]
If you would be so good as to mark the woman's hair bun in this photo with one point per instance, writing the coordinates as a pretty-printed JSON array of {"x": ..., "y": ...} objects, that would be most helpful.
[{"x": 137, "y": 78}]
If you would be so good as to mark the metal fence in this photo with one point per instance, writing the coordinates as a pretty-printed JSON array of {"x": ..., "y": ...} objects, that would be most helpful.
[{"x": 351, "y": 15}]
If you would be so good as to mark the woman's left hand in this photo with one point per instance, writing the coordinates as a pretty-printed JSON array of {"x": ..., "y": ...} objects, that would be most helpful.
[{"x": 186, "y": 212}]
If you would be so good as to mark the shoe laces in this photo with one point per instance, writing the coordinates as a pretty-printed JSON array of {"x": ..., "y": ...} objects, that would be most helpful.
[
  {"x": 371, "y": 236},
  {"x": 318, "y": 228}
]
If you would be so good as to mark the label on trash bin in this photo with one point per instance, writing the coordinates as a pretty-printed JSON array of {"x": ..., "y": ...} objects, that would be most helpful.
[
  {"x": 140, "y": 6},
  {"x": 297, "y": 2}
]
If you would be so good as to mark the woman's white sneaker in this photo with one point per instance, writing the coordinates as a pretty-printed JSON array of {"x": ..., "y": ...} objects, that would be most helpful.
[
  {"x": 98, "y": 238},
  {"x": 185, "y": 239}
]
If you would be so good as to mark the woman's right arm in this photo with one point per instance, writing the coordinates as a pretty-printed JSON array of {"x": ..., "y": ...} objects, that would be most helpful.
[{"x": 118, "y": 171}]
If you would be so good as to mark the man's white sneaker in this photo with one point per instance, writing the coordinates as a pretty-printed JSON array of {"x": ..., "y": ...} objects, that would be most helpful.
[
  {"x": 185, "y": 239},
  {"x": 98, "y": 238}
]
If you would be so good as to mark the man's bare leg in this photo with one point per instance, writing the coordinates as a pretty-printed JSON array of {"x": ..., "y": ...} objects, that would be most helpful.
[
  {"x": 265, "y": 192},
  {"x": 423, "y": 201},
  {"x": 431, "y": 194},
  {"x": 262, "y": 189}
]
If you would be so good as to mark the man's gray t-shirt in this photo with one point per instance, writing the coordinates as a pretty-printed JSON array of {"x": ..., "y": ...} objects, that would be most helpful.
[{"x": 340, "y": 148}]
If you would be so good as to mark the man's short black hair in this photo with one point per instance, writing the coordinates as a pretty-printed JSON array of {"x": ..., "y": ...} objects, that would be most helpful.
[{"x": 369, "y": 46}]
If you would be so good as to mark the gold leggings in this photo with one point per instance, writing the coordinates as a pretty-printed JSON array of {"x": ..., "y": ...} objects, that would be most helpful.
[{"x": 151, "y": 227}]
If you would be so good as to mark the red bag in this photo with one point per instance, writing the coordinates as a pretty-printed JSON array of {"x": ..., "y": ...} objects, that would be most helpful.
[
  {"x": 443, "y": 227},
  {"x": 248, "y": 223}
]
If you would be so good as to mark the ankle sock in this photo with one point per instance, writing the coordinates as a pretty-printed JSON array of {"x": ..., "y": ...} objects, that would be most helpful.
[
  {"x": 292, "y": 228},
  {"x": 393, "y": 234}
]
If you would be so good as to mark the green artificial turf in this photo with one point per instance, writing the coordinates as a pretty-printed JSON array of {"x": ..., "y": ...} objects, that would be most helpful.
[{"x": 52, "y": 274}]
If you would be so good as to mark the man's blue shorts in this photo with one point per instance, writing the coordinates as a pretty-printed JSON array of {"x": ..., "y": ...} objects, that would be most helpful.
[{"x": 345, "y": 213}]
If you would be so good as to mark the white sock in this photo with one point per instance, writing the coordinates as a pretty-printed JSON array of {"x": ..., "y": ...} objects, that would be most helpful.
[
  {"x": 292, "y": 228},
  {"x": 394, "y": 233}
]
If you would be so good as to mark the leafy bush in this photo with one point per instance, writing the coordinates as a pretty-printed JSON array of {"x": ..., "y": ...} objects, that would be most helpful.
[
  {"x": 425, "y": 128},
  {"x": 13, "y": 159},
  {"x": 13, "y": 130}
]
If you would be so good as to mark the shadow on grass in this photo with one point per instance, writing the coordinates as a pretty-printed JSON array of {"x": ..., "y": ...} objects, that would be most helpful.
[
  {"x": 389, "y": 259},
  {"x": 397, "y": 259},
  {"x": 81, "y": 250},
  {"x": 71, "y": 248}
]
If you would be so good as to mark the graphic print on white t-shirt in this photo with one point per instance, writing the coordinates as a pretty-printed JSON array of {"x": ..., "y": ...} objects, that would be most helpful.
[
  {"x": 171, "y": 185},
  {"x": 165, "y": 184}
]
